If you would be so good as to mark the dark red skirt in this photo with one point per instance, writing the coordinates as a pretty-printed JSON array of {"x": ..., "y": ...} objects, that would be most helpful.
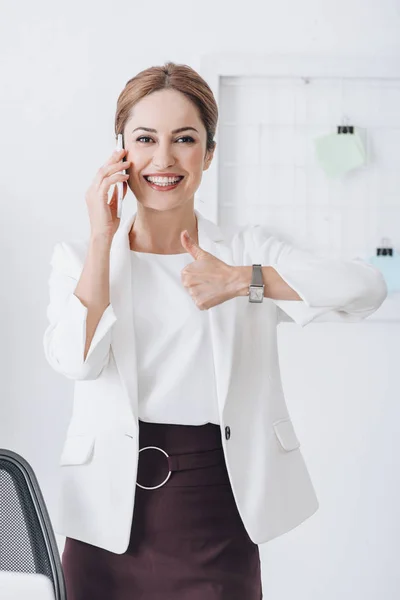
[{"x": 187, "y": 542}]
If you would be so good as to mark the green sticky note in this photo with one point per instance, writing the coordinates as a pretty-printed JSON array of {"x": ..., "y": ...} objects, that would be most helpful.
[{"x": 339, "y": 153}]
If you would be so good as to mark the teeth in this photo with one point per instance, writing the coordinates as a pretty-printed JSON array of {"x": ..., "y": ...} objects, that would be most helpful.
[{"x": 163, "y": 180}]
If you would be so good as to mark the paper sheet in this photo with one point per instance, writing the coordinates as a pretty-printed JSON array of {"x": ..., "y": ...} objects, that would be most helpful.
[{"x": 339, "y": 153}]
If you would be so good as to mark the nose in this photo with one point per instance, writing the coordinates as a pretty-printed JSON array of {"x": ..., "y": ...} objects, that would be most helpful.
[{"x": 163, "y": 157}]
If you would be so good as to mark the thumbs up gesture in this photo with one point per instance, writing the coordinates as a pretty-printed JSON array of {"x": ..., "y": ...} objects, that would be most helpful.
[{"x": 208, "y": 280}]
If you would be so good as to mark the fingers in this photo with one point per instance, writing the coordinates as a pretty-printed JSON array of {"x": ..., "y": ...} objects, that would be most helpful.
[
  {"x": 112, "y": 166},
  {"x": 107, "y": 182}
]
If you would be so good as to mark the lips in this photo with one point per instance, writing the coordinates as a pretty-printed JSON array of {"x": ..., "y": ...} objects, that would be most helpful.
[
  {"x": 163, "y": 187},
  {"x": 180, "y": 177}
]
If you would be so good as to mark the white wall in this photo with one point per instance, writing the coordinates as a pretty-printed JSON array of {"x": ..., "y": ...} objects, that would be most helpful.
[{"x": 62, "y": 68}]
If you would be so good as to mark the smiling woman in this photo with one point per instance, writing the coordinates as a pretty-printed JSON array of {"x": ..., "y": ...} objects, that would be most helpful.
[{"x": 184, "y": 539}]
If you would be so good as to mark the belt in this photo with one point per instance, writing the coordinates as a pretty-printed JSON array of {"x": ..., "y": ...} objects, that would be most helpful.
[{"x": 182, "y": 462}]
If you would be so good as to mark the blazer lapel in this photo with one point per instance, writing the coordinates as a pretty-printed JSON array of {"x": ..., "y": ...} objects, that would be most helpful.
[
  {"x": 221, "y": 317},
  {"x": 123, "y": 342}
]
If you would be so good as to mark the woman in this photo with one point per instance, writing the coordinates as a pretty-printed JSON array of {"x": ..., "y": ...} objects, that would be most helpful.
[{"x": 180, "y": 456}]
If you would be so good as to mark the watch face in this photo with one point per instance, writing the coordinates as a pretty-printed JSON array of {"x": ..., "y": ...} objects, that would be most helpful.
[{"x": 257, "y": 293}]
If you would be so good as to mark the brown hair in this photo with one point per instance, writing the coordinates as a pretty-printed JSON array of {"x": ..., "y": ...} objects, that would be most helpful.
[{"x": 182, "y": 78}]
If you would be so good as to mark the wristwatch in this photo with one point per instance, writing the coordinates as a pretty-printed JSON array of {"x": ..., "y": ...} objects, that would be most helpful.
[{"x": 256, "y": 287}]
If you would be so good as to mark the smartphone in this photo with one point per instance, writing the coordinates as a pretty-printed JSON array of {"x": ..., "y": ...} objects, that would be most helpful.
[{"x": 120, "y": 184}]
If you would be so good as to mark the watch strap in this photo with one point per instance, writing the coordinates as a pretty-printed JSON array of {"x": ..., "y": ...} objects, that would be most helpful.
[{"x": 257, "y": 278}]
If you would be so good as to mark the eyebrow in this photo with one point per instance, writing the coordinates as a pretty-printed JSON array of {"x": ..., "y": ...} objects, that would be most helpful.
[{"x": 179, "y": 130}]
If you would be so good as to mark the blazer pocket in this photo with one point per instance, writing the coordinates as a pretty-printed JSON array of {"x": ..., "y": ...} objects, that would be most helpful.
[
  {"x": 286, "y": 434},
  {"x": 77, "y": 449}
]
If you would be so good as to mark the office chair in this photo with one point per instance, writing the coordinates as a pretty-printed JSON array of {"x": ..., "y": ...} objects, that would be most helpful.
[{"x": 27, "y": 541}]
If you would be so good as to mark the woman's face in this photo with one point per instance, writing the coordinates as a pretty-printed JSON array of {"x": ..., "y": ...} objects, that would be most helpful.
[{"x": 164, "y": 150}]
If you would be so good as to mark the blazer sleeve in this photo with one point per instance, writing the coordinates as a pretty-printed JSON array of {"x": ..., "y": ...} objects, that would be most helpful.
[
  {"x": 341, "y": 290},
  {"x": 65, "y": 336}
]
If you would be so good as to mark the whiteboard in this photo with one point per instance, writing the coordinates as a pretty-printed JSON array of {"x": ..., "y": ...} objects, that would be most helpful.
[{"x": 268, "y": 173}]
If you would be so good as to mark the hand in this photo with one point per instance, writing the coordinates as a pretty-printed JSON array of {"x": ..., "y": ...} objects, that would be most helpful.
[
  {"x": 103, "y": 217},
  {"x": 208, "y": 280}
]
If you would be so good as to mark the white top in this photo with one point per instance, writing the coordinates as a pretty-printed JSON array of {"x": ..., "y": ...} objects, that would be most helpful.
[{"x": 169, "y": 326}]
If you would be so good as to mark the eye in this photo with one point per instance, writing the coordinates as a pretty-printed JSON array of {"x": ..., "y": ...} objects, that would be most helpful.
[
  {"x": 143, "y": 137},
  {"x": 187, "y": 137}
]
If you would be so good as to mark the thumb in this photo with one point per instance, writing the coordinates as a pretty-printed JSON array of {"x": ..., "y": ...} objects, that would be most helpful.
[{"x": 191, "y": 246}]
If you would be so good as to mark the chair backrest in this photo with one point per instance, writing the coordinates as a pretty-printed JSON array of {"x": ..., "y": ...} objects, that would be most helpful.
[
  {"x": 27, "y": 541},
  {"x": 25, "y": 586}
]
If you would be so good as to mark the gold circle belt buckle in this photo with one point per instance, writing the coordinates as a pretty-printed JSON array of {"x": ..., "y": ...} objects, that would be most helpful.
[{"x": 169, "y": 473}]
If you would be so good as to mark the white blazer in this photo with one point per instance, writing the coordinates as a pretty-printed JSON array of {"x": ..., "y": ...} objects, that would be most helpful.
[{"x": 268, "y": 475}]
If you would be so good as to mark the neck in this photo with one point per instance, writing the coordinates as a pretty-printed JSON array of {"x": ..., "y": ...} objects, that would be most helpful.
[{"x": 160, "y": 231}]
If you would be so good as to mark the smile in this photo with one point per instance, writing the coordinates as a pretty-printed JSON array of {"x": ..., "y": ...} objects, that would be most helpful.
[{"x": 163, "y": 183}]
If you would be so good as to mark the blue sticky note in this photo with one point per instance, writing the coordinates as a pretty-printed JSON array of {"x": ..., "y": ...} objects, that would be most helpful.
[{"x": 389, "y": 266}]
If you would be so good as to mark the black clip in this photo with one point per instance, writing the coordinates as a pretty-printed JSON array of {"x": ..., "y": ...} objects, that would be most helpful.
[
  {"x": 345, "y": 129},
  {"x": 385, "y": 249}
]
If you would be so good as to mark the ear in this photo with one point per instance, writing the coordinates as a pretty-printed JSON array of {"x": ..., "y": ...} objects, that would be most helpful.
[{"x": 209, "y": 157}]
